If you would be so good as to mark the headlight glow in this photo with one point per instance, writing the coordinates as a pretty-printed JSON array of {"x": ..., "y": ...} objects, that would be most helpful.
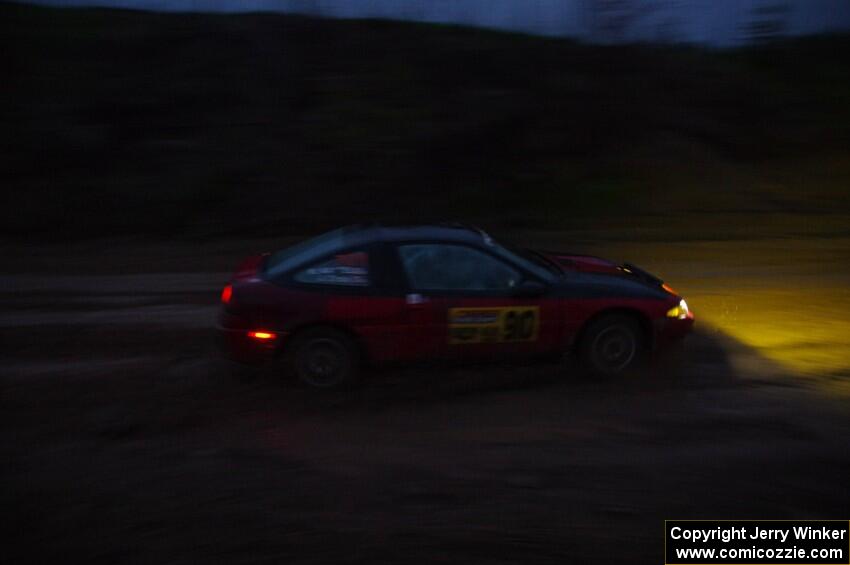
[{"x": 679, "y": 311}]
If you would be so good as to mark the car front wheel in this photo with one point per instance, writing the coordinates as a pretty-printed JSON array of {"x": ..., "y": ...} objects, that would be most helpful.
[{"x": 611, "y": 345}]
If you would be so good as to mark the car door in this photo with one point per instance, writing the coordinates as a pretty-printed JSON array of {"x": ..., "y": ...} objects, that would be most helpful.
[
  {"x": 353, "y": 289},
  {"x": 467, "y": 303}
]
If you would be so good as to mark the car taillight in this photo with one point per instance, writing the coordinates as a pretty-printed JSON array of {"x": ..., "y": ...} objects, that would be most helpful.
[{"x": 227, "y": 294}]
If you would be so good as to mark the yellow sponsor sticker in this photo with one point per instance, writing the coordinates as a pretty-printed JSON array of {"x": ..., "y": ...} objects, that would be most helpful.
[{"x": 493, "y": 324}]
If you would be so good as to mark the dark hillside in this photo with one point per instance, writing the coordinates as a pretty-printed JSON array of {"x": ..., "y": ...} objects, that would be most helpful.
[{"x": 126, "y": 122}]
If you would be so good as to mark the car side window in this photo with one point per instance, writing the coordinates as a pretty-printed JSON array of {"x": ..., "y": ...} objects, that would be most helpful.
[
  {"x": 343, "y": 269},
  {"x": 438, "y": 266}
]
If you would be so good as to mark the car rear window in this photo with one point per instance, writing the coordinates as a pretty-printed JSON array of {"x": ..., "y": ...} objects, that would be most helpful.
[
  {"x": 345, "y": 269},
  {"x": 286, "y": 259}
]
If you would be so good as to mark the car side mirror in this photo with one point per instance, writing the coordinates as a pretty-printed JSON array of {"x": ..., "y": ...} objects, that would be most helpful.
[{"x": 530, "y": 289}]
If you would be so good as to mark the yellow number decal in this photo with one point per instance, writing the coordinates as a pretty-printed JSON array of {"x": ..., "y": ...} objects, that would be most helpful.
[{"x": 493, "y": 325}]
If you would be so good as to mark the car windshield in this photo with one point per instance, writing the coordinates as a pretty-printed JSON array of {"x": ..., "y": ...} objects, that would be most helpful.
[{"x": 285, "y": 259}]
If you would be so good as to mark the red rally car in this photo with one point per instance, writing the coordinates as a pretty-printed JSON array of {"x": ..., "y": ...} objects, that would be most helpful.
[{"x": 377, "y": 294}]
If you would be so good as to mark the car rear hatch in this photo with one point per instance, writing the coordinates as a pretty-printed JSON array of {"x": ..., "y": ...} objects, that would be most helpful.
[{"x": 250, "y": 268}]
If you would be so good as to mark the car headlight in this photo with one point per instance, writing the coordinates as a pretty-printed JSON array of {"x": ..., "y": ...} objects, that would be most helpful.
[{"x": 680, "y": 311}]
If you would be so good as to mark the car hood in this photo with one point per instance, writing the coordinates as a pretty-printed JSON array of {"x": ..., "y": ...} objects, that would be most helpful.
[
  {"x": 582, "y": 263},
  {"x": 594, "y": 276}
]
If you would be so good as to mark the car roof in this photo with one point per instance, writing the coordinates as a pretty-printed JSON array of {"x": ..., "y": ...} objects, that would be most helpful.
[
  {"x": 458, "y": 233},
  {"x": 355, "y": 236}
]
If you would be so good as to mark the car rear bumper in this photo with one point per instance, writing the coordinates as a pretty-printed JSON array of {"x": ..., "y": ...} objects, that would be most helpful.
[{"x": 236, "y": 345}]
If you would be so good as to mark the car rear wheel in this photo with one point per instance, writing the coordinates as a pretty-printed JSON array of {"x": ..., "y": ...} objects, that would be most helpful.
[
  {"x": 611, "y": 345},
  {"x": 323, "y": 358}
]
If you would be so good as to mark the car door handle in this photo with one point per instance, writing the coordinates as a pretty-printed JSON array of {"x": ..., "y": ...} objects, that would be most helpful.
[{"x": 415, "y": 300}]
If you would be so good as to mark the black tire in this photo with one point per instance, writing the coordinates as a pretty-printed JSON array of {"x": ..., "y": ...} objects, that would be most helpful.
[
  {"x": 611, "y": 345},
  {"x": 323, "y": 358}
]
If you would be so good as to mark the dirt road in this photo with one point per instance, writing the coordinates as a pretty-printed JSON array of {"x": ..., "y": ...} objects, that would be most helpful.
[{"x": 125, "y": 440}]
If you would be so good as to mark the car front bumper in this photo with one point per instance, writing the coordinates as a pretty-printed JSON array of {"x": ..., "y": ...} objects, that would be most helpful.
[{"x": 671, "y": 330}]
